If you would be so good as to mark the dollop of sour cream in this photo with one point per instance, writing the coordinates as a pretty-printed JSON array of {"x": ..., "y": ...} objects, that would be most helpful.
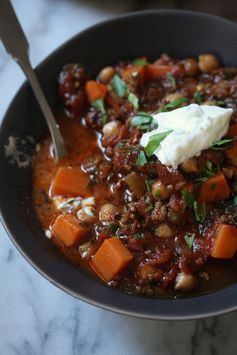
[{"x": 193, "y": 129}]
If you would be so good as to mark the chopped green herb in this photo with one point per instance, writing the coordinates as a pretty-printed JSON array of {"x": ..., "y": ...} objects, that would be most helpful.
[
  {"x": 235, "y": 201},
  {"x": 113, "y": 227},
  {"x": 120, "y": 144},
  {"x": 199, "y": 211},
  {"x": 209, "y": 165},
  {"x": 213, "y": 187},
  {"x": 138, "y": 236},
  {"x": 156, "y": 230},
  {"x": 158, "y": 194},
  {"x": 198, "y": 97},
  {"x": 222, "y": 144},
  {"x": 143, "y": 121},
  {"x": 174, "y": 104},
  {"x": 189, "y": 198},
  {"x": 208, "y": 172},
  {"x": 154, "y": 142},
  {"x": 118, "y": 86},
  {"x": 140, "y": 61},
  {"x": 141, "y": 159},
  {"x": 99, "y": 105},
  {"x": 149, "y": 204},
  {"x": 171, "y": 78},
  {"x": 139, "y": 120},
  {"x": 189, "y": 239},
  {"x": 147, "y": 182},
  {"x": 134, "y": 100},
  {"x": 149, "y": 207},
  {"x": 220, "y": 102}
]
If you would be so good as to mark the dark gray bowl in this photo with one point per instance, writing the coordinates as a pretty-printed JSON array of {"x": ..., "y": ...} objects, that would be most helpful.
[{"x": 180, "y": 33}]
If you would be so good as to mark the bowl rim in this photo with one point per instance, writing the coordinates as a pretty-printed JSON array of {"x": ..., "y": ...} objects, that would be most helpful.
[{"x": 221, "y": 294}]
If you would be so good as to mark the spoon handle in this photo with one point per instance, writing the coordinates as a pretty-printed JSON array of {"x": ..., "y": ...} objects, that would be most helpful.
[{"x": 17, "y": 46}]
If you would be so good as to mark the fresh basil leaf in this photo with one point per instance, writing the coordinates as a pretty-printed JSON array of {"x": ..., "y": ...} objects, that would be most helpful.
[
  {"x": 222, "y": 144},
  {"x": 198, "y": 97},
  {"x": 189, "y": 198},
  {"x": 118, "y": 86},
  {"x": 171, "y": 78},
  {"x": 154, "y": 142},
  {"x": 189, "y": 239},
  {"x": 140, "y": 61},
  {"x": 174, "y": 104},
  {"x": 141, "y": 159},
  {"x": 134, "y": 100},
  {"x": 199, "y": 211}
]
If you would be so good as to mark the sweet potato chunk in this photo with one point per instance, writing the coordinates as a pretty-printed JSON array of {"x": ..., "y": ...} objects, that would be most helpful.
[
  {"x": 70, "y": 182},
  {"x": 111, "y": 259},
  {"x": 68, "y": 230},
  {"x": 214, "y": 189},
  {"x": 225, "y": 243}
]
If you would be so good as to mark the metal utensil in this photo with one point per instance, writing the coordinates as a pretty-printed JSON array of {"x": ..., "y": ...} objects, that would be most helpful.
[{"x": 17, "y": 46}]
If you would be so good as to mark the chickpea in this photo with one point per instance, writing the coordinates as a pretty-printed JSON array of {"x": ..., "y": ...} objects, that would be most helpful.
[
  {"x": 106, "y": 74},
  {"x": 190, "y": 66},
  {"x": 207, "y": 62},
  {"x": 185, "y": 282},
  {"x": 164, "y": 231},
  {"x": 107, "y": 212},
  {"x": 112, "y": 128},
  {"x": 190, "y": 165},
  {"x": 136, "y": 184},
  {"x": 159, "y": 190}
]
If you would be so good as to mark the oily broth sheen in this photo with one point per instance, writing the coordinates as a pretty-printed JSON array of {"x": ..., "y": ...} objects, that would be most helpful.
[{"x": 81, "y": 143}]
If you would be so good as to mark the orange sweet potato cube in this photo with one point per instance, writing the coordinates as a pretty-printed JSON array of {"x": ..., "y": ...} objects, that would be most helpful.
[
  {"x": 70, "y": 182},
  {"x": 111, "y": 258},
  {"x": 68, "y": 230}
]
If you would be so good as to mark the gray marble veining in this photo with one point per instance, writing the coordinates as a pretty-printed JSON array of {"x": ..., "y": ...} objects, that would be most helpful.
[{"x": 36, "y": 317}]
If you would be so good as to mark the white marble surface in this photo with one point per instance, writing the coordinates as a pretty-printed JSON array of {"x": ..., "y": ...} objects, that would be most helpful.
[{"x": 35, "y": 316}]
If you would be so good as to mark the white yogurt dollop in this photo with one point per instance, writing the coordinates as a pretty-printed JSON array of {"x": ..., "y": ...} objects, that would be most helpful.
[{"x": 194, "y": 128}]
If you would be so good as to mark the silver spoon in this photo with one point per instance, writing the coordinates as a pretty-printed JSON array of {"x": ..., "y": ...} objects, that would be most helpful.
[{"x": 17, "y": 46}]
